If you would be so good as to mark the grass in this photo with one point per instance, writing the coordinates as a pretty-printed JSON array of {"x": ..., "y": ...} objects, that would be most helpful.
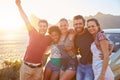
[{"x": 10, "y": 70}]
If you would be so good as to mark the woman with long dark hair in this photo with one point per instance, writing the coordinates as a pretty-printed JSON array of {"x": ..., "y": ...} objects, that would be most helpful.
[{"x": 100, "y": 45}]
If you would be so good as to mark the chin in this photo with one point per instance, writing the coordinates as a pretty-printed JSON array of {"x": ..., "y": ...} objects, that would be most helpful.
[
  {"x": 79, "y": 31},
  {"x": 93, "y": 33},
  {"x": 42, "y": 33}
]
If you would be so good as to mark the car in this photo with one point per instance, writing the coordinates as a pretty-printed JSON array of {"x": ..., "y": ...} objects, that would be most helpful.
[{"x": 114, "y": 36}]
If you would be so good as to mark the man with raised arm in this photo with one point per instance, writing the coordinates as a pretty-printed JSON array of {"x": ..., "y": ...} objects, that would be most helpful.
[{"x": 31, "y": 68}]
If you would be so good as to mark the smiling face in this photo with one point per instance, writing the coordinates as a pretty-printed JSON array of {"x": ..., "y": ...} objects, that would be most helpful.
[
  {"x": 93, "y": 26},
  {"x": 43, "y": 26},
  {"x": 54, "y": 33},
  {"x": 78, "y": 25},
  {"x": 63, "y": 25},
  {"x": 55, "y": 36}
]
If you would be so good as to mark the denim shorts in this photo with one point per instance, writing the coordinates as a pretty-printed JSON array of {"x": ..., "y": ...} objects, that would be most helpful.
[
  {"x": 53, "y": 67},
  {"x": 70, "y": 65}
]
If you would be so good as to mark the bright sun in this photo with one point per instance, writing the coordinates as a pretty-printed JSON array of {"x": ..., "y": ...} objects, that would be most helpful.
[
  {"x": 10, "y": 23},
  {"x": 11, "y": 26},
  {"x": 8, "y": 29}
]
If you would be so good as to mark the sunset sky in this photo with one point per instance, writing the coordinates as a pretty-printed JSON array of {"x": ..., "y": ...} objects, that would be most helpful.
[{"x": 53, "y": 10}]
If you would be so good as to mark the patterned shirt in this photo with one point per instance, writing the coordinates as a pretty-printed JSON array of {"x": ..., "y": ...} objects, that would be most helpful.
[{"x": 101, "y": 36}]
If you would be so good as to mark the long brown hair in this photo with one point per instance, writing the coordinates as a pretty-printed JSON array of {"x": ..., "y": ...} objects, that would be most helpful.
[{"x": 97, "y": 23}]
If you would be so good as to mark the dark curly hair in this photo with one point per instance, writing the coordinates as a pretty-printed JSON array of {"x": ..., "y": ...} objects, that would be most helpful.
[{"x": 54, "y": 29}]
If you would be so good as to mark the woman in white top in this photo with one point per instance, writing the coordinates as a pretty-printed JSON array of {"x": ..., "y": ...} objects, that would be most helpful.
[
  {"x": 100, "y": 45},
  {"x": 52, "y": 68}
]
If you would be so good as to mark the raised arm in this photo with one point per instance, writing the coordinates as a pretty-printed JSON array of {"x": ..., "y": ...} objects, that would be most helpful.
[{"x": 23, "y": 15}]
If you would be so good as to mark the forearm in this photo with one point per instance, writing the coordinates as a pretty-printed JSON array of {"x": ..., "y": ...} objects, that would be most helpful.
[
  {"x": 68, "y": 48},
  {"x": 23, "y": 15},
  {"x": 105, "y": 51},
  {"x": 105, "y": 65}
]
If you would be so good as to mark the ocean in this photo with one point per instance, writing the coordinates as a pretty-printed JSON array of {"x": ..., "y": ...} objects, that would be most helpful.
[{"x": 12, "y": 46}]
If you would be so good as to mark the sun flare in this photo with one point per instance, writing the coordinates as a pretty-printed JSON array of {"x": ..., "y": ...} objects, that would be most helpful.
[{"x": 9, "y": 36}]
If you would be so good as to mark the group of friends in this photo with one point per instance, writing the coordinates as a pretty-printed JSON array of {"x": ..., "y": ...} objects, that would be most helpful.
[{"x": 65, "y": 44}]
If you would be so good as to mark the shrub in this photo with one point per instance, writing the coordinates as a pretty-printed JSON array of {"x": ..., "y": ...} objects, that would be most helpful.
[{"x": 10, "y": 70}]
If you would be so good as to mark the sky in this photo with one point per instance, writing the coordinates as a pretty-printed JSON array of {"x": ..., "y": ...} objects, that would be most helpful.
[{"x": 53, "y": 10}]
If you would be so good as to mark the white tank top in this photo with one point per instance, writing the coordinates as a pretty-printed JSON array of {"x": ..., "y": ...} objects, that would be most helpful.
[{"x": 96, "y": 54}]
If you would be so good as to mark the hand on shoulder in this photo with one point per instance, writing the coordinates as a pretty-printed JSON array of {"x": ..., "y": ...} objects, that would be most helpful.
[{"x": 72, "y": 33}]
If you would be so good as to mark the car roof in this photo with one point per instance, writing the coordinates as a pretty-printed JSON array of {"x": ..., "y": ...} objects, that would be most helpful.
[
  {"x": 112, "y": 30},
  {"x": 114, "y": 55}
]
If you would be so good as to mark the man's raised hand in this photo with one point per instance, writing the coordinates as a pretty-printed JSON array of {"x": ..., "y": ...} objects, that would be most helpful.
[{"x": 18, "y": 2}]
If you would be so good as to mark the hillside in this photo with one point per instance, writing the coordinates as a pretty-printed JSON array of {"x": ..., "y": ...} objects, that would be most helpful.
[{"x": 107, "y": 20}]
